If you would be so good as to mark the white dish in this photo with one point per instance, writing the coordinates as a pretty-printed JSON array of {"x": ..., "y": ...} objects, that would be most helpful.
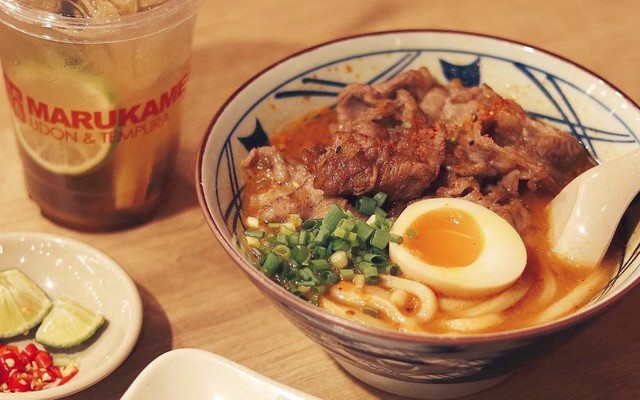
[
  {"x": 61, "y": 265},
  {"x": 204, "y": 376}
]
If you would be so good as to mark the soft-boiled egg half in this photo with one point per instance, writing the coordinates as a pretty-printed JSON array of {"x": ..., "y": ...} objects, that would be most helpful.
[{"x": 457, "y": 247}]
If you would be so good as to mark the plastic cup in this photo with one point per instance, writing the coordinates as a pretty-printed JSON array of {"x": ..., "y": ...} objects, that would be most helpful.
[{"x": 96, "y": 107}]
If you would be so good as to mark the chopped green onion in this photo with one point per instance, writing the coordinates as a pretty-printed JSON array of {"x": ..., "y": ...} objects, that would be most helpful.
[
  {"x": 380, "y": 239},
  {"x": 291, "y": 275},
  {"x": 304, "y": 237},
  {"x": 311, "y": 224},
  {"x": 380, "y": 198},
  {"x": 375, "y": 259},
  {"x": 255, "y": 234},
  {"x": 393, "y": 238},
  {"x": 292, "y": 240},
  {"x": 377, "y": 221},
  {"x": 347, "y": 274},
  {"x": 328, "y": 277},
  {"x": 411, "y": 233},
  {"x": 352, "y": 238},
  {"x": 271, "y": 263},
  {"x": 379, "y": 211},
  {"x": 363, "y": 230},
  {"x": 333, "y": 217},
  {"x": 282, "y": 237},
  {"x": 339, "y": 259},
  {"x": 307, "y": 257},
  {"x": 252, "y": 241},
  {"x": 340, "y": 233},
  {"x": 319, "y": 252},
  {"x": 322, "y": 236},
  {"x": 340, "y": 245},
  {"x": 370, "y": 273},
  {"x": 392, "y": 269},
  {"x": 300, "y": 254},
  {"x": 346, "y": 224},
  {"x": 319, "y": 265},
  {"x": 286, "y": 230},
  {"x": 378, "y": 251},
  {"x": 366, "y": 205},
  {"x": 366, "y": 265},
  {"x": 307, "y": 275},
  {"x": 293, "y": 265},
  {"x": 282, "y": 251}
]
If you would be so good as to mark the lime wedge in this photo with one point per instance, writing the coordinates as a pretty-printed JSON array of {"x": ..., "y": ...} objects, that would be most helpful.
[
  {"x": 22, "y": 303},
  {"x": 54, "y": 94},
  {"x": 68, "y": 324}
]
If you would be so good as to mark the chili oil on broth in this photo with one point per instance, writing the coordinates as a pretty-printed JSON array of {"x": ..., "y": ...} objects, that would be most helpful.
[
  {"x": 312, "y": 130},
  {"x": 554, "y": 287}
]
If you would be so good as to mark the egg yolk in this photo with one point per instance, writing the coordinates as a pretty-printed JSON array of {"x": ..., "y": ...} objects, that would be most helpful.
[{"x": 445, "y": 237}]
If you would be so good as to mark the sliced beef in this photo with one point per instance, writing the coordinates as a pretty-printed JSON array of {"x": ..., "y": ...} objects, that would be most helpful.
[
  {"x": 278, "y": 188},
  {"x": 413, "y": 137},
  {"x": 492, "y": 136},
  {"x": 495, "y": 150},
  {"x": 383, "y": 142},
  {"x": 417, "y": 82}
]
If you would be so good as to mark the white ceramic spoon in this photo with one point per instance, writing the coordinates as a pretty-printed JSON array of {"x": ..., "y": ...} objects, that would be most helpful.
[{"x": 586, "y": 213}]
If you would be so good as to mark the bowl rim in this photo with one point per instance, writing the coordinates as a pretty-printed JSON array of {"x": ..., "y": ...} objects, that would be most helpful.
[{"x": 316, "y": 312}]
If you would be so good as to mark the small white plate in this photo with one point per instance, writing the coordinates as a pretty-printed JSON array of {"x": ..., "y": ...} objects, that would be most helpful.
[
  {"x": 204, "y": 376},
  {"x": 61, "y": 265}
]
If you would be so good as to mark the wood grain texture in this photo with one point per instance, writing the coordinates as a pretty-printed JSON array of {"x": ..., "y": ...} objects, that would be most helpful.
[{"x": 193, "y": 294}]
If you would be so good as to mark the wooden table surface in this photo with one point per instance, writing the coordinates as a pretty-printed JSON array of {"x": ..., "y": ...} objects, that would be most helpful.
[{"x": 193, "y": 294}]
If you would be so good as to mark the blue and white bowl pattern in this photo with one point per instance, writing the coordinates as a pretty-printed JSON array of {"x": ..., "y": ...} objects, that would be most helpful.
[{"x": 546, "y": 86}]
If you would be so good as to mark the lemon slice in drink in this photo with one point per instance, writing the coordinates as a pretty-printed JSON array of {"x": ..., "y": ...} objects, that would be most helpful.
[
  {"x": 60, "y": 134},
  {"x": 68, "y": 324},
  {"x": 22, "y": 303}
]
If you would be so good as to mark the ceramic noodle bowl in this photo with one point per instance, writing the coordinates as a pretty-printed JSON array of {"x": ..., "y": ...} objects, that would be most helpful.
[{"x": 546, "y": 86}]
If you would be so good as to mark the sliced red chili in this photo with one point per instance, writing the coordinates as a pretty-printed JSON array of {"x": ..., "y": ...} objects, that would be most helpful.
[
  {"x": 29, "y": 369},
  {"x": 9, "y": 349},
  {"x": 9, "y": 362},
  {"x": 20, "y": 382},
  {"x": 29, "y": 352},
  {"x": 43, "y": 359},
  {"x": 68, "y": 377},
  {"x": 4, "y": 376},
  {"x": 4, "y": 367},
  {"x": 55, "y": 372}
]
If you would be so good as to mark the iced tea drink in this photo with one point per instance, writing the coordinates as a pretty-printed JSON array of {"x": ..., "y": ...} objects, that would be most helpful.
[{"x": 96, "y": 89}]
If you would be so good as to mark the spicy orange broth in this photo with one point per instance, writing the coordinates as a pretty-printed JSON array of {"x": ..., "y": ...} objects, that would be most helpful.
[{"x": 315, "y": 130}]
